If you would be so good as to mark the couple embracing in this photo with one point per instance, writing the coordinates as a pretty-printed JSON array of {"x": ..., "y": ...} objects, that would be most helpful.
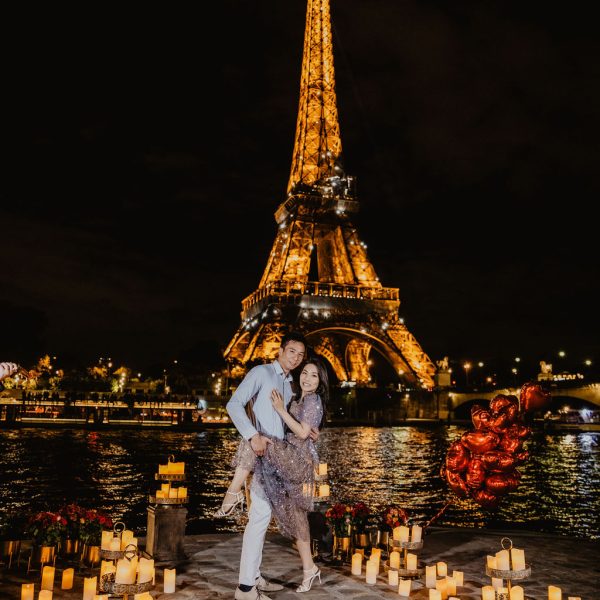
[{"x": 277, "y": 445}]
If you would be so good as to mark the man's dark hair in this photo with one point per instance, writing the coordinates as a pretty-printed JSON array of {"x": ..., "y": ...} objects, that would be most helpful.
[{"x": 293, "y": 336}]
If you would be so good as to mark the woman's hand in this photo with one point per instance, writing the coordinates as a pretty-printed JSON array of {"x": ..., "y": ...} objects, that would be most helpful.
[{"x": 277, "y": 400}]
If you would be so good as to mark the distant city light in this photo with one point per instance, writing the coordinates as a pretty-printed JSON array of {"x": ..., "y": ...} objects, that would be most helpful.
[{"x": 562, "y": 353}]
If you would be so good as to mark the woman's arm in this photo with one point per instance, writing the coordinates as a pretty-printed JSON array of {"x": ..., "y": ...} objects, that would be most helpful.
[{"x": 300, "y": 430}]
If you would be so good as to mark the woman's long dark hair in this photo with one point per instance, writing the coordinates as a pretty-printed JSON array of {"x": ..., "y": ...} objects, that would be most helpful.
[{"x": 323, "y": 388}]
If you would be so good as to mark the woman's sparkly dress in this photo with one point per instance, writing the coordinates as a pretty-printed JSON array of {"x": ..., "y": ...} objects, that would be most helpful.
[{"x": 286, "y": 473}]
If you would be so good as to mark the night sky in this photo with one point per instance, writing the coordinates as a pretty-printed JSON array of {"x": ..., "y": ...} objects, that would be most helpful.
[{"x": 143, "y": 161}]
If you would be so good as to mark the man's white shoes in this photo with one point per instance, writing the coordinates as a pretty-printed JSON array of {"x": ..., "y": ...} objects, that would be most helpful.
[
  {"x": 253, "y": 594},
  {"x": 267, "y": 586}
]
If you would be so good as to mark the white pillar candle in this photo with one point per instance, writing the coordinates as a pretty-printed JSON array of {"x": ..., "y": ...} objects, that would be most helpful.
[
  {"x": 163, "y": 469},
  {"x": 107, "y": 566},
  {"x": 442, "y": 569},
  {"x": 554, "y": 593},
  {"x": 89, "y": 588},
  {"x": 67, "y": 579},
  {"x": 416, "y": 533},
  {"x": 404, "y": 587},
  {"x": 442, "y": 587},
  {"x": 404, "y": 533},
  {"x": 517, "y": 593},
  {"x": 170, "y": 577},
  {"x": 435, "y": 595},
  {"x": 322, "y": 469},
  {"x": 145, "y": 569},
  {"x": 491, "y": 562},
  {"x": 172, "y": 493},
  {"x": 123, "y": 573},
  {"x": 458, "y": 576},
  {"x": 356, "y": 563},
  {"x": 411, "y": 561},
  {"x": 488, "y": 593},
  {"x": 45, "y": 595},
  {"x": 497, "y": 583},
  {"x": 182, "y": 492},
  {"x": 430, "y": 576},
  {"x": 164, "y": 488},
  {"x": 451, "y": 585},
  {"x": 115, "y": 544},
  {"x": 101, "y": 597},
  {"x": 126, "y": 538},
  {"x": 27, "y": 591},
  {"x": 394, "y": 560},
  {"x": 371, "y": 572},
  {"x": 47, "y": 578},
  {"x": 133, "y": 542},
  {"x": 503, "y": 560},
  {"x": 324, "y": 490},
  {"x": 107, "y": 537},
  {"x": 502, "y": 592},
  {"x": 393, "y": 577},
  {"x": 517, "y": 558},
  {"x": 396, "y": 534},
  {"x": 375, "y": 554},
  {"x": 574, "y": 598},
  {"x": 143, "y": 596}
]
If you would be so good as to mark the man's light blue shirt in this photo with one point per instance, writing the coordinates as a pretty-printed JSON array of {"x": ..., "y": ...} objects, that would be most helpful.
[{"x": 262, "y": 379}]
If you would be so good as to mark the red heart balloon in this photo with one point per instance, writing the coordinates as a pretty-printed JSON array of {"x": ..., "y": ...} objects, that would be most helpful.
[
  {"x": 499, "y": 483},
  {"x": 510, "y": 444},
  {"x": 533, "y": 397},
  {"x": 522, "y": 456},
  {"x": 496, "y": 460},
  {"x": 479, "y": 442},
  {"x": 485, "y": 498},
  {"x": 499, "y": 422},
  {"x": 475, "y": 477},
  {"x": 518, "y": 430},
  {"x": 501, "y": 401},
  {"x": 511, "y": 412},
  {"x": 480, "y": 416},
  {"x": 457, "y": 458},
  {"x": 457, "y": 484}
]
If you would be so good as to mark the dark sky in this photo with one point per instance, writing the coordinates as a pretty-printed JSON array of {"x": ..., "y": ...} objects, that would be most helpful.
[{"x": 143, "y": 161}]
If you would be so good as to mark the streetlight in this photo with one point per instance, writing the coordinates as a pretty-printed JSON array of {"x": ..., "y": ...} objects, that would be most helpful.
[
  {"x": 515, "y": 371},
  {"x": 466, "y": 367}
]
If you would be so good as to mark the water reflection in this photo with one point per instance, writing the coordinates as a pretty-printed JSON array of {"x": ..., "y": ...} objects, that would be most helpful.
[{"x": 114, "y": 471}]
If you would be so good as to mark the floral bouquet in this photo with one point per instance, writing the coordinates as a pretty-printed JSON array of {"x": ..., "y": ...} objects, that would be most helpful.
[
  {"x": 393, "y": 516},
  {"x": 361, "y": 517},
  {"x": 71, "y": 514},
  {"x": 46, "y": 528},
  {"x": 92, "y": 523},
  {"x": 339, "y": 516}
]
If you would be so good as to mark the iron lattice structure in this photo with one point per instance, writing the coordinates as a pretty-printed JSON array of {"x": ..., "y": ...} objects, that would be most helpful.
[{"x": 344, "y": 311}]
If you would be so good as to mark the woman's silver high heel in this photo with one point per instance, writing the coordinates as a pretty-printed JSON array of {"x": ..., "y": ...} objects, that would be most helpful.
[
  {"x": 228, "y": 507},
  {"x": 308, "y": 581}
]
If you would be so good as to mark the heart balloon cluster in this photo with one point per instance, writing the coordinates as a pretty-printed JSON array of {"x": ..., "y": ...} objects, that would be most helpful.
[{"x": 482, "y": 464}]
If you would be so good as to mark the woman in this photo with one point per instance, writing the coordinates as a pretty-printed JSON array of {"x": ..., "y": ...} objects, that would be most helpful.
[{"x": 287, "y": 470}]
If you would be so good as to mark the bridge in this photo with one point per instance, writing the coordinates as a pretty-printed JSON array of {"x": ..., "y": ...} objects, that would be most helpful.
[{"x": 561, "y": 394}]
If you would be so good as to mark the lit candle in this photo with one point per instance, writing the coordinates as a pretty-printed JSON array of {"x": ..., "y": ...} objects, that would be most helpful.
[
  {"x": 411, "y": 562},
  {"x": 27, "y": 591},
  {"x": 322, "y": 469},
  {"x": 394, "y": 560},
  {"x": 160, "y": 494},
  {"x": 404, "y": 533},
  {"x": 404, "y": 587},
  {"x": 324, "y": 490},
  {"x": 430, "y": 576},
  {"x": 392, "y": 577},
  {"x": 143, "y": 596},
  {"x": 497, "y": 583},
  {"x": 554, "y": 593},
  {"x": 67, "y": 579},
  {"x": 172, "y": 493},
  {"x": 133, "y": 542},
  {"x": 163, "y": 469},
  {"x": 442, "y": 569},
  {"x": 107, "y": 566},
  {"x": 107, "y": 537},
  {"x": 45, "y": 595},
  {"x": 517, "y": 558},
  {"x": 123, "y": 573},
  {"x": 502, "y": 592},
  {"x": 47, "y": 578},
  {"x": 145, "y": 570},
  {"x": 488, "y": 593},
  {"x": 89, "y": 587},
  {"x": 491, "y": 562},
  {"x": 574, "y": 598},
  {"x": 356, "y": 563},
  {"x": 396, "y": 533},
  {"x": 458, "y": 576},
  {"x": 416, "y": 533},
  {"x": 169, "y": 581},
  {"x": 371, "y": 572},
  {"x": 100, "y": 596},
  {"x": 503, "y": 560},
  {"x": 435, "y": 595},
  {"x": 451, "y": 585},
  {"x": 164, "y": 488},
  {"x": 182, "y": 492},
  {"x": 442, "y": 587},
  {"x": 517, "y": 593},
  {"x": 126, "y": 538},
  {"x": 375, "y": 554},
  {"x": 115, "y": 544}
]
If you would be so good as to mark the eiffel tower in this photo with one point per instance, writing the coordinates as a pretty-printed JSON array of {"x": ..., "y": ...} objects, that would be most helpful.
[{"x": 344, "y": 312}]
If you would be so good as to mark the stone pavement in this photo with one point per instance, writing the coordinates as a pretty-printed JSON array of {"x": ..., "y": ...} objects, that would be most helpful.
[{"x": 210, "y": 569}]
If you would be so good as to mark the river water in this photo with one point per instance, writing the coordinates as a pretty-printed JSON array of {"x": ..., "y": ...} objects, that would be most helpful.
[{"x": 114, "y": 471}]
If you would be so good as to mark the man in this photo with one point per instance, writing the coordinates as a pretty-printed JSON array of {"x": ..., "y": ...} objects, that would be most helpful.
[{"x": 259, "y": 383}]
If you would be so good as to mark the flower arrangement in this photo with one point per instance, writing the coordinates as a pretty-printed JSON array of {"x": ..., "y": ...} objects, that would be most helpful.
[
  {"x": 46, "y": 528},
  {"x": 71, "y": 513},
  {"x": 91, "y": 524},
  {"x": 361, "y": 517},
  {"x": 339, "y": 516},
  {"x": 393, "y": 516}
]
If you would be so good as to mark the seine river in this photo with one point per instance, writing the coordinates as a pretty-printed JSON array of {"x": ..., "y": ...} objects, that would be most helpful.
[{"x": 114, "y": 471}]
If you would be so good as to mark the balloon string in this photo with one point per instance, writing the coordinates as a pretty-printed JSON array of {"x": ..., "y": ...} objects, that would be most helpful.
[{"x": 439, "y": 513}]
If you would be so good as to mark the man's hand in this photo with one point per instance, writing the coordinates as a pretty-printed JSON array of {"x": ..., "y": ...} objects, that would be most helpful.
[
  {"x": 259, "y": 444},
  {"x": 277, "y": 400},
  {"x": 314, "y": 434}
]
